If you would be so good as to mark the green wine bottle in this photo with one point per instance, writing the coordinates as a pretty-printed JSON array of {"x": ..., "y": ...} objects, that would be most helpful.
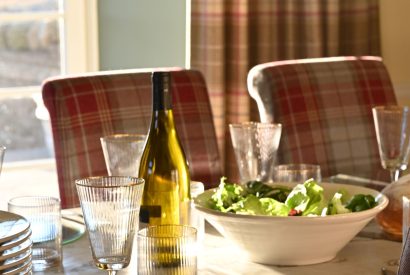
[{"x": 163, "y": 164}]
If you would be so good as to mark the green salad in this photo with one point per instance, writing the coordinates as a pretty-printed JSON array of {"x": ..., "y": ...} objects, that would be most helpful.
[{"x": 307, "y": 199}]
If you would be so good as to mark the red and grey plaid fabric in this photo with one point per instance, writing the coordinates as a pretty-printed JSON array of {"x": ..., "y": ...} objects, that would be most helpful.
[
  {"x": 84, "y": 108},
  {"x": 325, "y": 106},
  {"x": 230, "y": 37}
]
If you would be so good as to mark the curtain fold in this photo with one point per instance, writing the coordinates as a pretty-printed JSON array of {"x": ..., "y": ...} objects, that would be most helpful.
[{"x": 229, "y": 37}]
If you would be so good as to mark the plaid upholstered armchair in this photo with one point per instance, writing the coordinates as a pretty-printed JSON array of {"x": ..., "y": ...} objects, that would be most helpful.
[
  {"x": 83, "y": 108},
  {"x": 325, "y": 106}
]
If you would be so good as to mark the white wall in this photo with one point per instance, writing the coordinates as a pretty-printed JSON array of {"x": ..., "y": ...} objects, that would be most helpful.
[
  {"x": 395, "y": 32},
  {"x": 141, "y": 33}
]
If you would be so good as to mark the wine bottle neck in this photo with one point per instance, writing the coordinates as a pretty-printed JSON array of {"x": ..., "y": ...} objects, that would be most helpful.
[
  {"x": 162, "y": 120},
  {"x": 161, "y": 91}
]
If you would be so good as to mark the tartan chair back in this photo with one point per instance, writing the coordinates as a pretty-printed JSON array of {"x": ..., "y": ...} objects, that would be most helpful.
[
  {"x": 325, "y": 106},
  {"x": 84, "y": 108}
]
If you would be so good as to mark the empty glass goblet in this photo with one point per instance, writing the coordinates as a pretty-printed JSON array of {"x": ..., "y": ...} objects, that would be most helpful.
[
  {"x": 111, "y": 208},
  {"x": 392, "y": 124},
  {"x": 255, "y": 145},
  {"x": 122, "y": 153}
]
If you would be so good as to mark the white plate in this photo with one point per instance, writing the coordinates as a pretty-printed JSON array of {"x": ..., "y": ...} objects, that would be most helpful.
[
  {"x": 25, "y": 268},
  {"x": 15, "y": 242},
  {"x": 11, "y": 226},
  {"x": 15, "y": 251},
  {"x": 15, "y": 261}
]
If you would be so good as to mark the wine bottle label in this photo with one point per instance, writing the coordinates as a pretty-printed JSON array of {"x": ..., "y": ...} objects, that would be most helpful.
[{"x": 149, "y": 211}]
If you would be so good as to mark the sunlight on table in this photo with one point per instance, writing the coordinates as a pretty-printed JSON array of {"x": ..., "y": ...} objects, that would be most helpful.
[{"x": 34, "y": 178}]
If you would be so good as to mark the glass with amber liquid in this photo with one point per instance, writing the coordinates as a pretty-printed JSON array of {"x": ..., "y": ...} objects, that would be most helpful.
[
  {"x": 163, "y": 164},
  {"x": 391, "y": 218}
]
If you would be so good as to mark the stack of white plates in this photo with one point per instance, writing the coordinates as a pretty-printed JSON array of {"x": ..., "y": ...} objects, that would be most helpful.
[{"x": 15, "y": 244}]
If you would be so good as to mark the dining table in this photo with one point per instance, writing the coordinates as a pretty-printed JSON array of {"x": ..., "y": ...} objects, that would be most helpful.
[{"x": 367, "y": 253}]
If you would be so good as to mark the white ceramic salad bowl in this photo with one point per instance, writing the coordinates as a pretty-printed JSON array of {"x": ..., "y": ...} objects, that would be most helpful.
[{"x": 296, "y": 240}]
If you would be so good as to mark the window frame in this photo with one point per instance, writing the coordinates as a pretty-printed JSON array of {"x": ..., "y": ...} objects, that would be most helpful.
[
  {"x": 81, "y": 31},
  {"x": 79, "y": 47}
]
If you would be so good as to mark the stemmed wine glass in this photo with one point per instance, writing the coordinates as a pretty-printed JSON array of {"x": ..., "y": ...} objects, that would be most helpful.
[
  {"x": 392, "y": 124},
  {"x": 111, "y": 206}
]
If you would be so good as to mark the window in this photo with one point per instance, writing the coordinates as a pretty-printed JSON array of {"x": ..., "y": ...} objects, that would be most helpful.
[{"x": 39, "y": 39}]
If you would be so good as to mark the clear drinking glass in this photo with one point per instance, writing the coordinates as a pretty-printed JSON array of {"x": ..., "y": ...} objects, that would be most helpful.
[
  {"x": 297, "y": 173},
  {"x": 167, "y": 249},
  {"x": 392, "y": 124},
  {"x": 255, "y": 145},
  {"x": 111, "y": 207},
  {"x": 122, "y": 153},
  {"x": 44, "y": 215}
]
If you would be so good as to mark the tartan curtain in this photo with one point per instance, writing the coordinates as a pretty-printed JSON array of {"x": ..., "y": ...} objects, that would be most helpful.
[{"x": 229, "y": 37}]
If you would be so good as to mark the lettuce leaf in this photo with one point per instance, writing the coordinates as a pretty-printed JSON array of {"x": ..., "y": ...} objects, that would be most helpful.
[
  {"x": 360, "y": 202},
  {"x": 273, "y": 207},
  {"x": 226, "y": 195},
  {"x": 308, "y": 199},
  {"x": 298, "y": 198},
  {"x": 261, "y": 190},
  {"x": 253, "y": 205}
]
